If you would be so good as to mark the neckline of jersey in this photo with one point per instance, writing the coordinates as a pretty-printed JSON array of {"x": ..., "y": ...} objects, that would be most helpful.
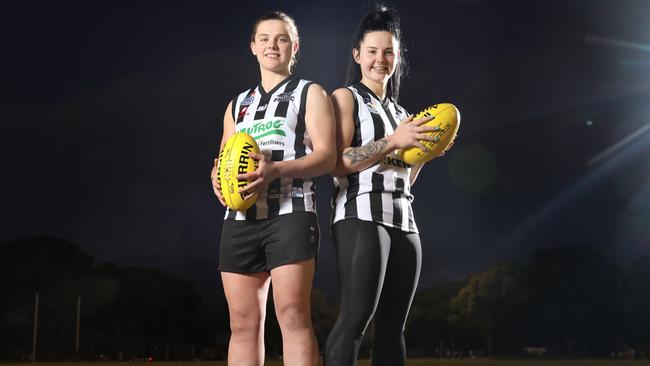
[
  {"x": 264, "y": 94},
  {"x": 363, "y": 86}
]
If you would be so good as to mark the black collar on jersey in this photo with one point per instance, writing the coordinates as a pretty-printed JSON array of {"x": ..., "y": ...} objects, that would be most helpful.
[
  {"x": 264, "y": 94},
  {"x": 384, "y": 103},
  {"x": 363, "y": 86}
]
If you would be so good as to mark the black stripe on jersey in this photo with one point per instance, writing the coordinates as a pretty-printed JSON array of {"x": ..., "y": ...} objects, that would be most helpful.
[
  {"x": 351, "y": 195},
  {"x": 411, "y": 226},
  {"x": 399, "y": 186},
  {"x": 335, "y": 194},
  {"x": 231, "y": 214},
  {"x": 380, "y": 132},
  {"x": 300, "y": 149},
  {"x": 353, "y": 179},
  {"x": 397, "y": 208},
  {"x": 377, "y": 122},
  {"x": 376, "y": 207},
  {"x": 275, "y": 188},
  {"x": 251, "y": 213},
  {"x": 283, "y": 105},
  {"x": 337, "y": 190},
  {"x": 233, "y": 105},
  {"x": 386, "y": 109},
  {"x": 260, "y": 113},
  {"x": 297, "y": 195},
  {"x": 244, "y": 107},
  {"x": 356, "y": 138},
  {"x": 301, "y": 127}
]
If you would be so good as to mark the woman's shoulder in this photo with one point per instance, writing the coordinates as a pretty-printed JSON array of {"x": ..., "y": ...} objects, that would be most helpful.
[
  {"x": 345, "y": 93},
  {"x": 344, "y": 100}
]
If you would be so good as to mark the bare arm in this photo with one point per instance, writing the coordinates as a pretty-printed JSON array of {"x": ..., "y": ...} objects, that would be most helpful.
[
  {"x": 228, "y": 130},
  {"x": 415, "y": 170},
  {"x": 319, "y": 120}
]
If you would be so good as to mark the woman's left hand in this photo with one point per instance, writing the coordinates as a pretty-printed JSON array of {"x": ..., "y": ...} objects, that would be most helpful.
[{"x": 266, "y": 172}]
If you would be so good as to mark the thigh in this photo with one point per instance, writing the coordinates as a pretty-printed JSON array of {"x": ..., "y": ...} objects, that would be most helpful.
[
  {"x": 402, "y": 276},
  {"x": 240, "y": 250},
  {"x": 246, "y": 295},
  {"x": 290, "y": 238},
  {"x": 292, "y": 284},
  {"x": 362, "y": 254}
]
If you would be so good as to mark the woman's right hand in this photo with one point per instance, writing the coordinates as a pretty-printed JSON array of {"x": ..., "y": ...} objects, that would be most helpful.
[
  {"x": 410, "y": 132},
  {"x": 216, "y": 185}
]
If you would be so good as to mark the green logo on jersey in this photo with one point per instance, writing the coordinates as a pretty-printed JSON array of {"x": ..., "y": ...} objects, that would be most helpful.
[{"x": 262, "y": 129}]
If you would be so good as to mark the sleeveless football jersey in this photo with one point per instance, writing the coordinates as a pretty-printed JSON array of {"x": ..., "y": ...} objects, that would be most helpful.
[
  {"x": 276, "y": 120},
  {"x": 380, "y": 193}
]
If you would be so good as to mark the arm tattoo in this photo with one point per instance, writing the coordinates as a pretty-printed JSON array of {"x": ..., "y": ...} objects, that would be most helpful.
[{"x": 365, "y": 152}]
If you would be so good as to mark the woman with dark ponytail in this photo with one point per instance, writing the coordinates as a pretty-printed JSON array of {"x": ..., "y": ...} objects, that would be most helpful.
[{"x": 375, "y": 235}]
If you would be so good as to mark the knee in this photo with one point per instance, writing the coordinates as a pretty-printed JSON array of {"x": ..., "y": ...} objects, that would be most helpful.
[
  {"x": 389, "y": 331},
  {"x": 245, "y": 323},
  {"x": 352, "y": 324},
  {"x": 293, "y": 317}
]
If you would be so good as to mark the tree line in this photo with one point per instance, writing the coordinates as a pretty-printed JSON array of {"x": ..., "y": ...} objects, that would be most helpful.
[{"x": 569, "y": 300}]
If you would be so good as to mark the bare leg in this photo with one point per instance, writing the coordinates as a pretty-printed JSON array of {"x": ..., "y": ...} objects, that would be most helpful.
[
  {"x": 246, "y": 295},
  {"x": 292, "y": 296}
]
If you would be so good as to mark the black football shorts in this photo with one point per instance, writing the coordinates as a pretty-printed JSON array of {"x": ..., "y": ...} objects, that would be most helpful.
[{"x": 254, "y": 246}]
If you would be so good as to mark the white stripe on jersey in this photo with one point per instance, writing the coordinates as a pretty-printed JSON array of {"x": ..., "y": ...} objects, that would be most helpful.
[
  {"x": 377, "y": 186},
  {"x": 276, "y": 121}
]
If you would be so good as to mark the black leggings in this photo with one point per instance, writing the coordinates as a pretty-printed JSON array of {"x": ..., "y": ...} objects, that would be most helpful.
[{"x": 378, "y": 269}]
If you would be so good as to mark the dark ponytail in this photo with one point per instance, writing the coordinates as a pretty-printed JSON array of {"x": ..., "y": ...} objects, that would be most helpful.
[{"x": 382, "y": 18}]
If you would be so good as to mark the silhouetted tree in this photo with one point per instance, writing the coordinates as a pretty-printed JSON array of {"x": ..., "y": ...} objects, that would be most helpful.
[
  {"x": 428, "y": 325},
  {"x": 636, "y": 303},
  {"x": 486, "y": 297},
  {"x": 144, "y": 306},
  {"x": 574, "y": 297}
]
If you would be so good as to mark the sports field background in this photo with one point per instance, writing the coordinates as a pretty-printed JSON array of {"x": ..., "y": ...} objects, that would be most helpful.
[{"x": 413, "y": 362}]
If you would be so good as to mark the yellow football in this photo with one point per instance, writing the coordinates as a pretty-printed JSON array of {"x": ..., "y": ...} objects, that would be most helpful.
[
  {"x": 447, "y": 118},
  {"x": 234, "y": 160}
]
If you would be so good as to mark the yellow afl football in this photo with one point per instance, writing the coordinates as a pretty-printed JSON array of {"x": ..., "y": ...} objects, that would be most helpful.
[
  {"x": 447, "y": 118},
  {"x": 234, "y": 160}
]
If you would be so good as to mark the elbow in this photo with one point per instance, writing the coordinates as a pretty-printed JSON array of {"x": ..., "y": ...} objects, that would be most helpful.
[
  {"x": 331, "y": 162},
  {"x": 339, "y": 169}
]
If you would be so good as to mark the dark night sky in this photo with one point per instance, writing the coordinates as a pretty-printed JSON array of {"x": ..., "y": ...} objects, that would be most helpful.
[{"x": 111, "y": 116}]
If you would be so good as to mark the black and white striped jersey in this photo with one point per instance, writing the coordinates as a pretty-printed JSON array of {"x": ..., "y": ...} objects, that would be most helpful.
[
  {"x": 276, "y": 120},
  {"x": 381, "y": 193}
]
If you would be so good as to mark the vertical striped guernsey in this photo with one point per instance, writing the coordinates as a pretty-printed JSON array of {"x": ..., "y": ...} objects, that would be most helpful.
[
  {"x": 276, "y": 120},
  {"x": 380, "y": 193}
]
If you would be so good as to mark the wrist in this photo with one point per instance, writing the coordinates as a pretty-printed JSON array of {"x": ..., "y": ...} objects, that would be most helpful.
[
  {"x": 392, "y": 144},
  {"x": 275, "y": 169}
]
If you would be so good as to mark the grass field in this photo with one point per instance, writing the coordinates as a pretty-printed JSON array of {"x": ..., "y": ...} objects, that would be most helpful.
[{"x": 412, "y": 362}]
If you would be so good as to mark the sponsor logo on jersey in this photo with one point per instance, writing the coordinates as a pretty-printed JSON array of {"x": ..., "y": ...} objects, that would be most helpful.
[
  {"x": 265, "y": 128},
  {"x": 370, "y": 105},
  {"x": 285, "y": 97},
  {"x": 262, "y": 107},
  {"x": 395, "y": 162},
  {"x": 249, "y": 99}
]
